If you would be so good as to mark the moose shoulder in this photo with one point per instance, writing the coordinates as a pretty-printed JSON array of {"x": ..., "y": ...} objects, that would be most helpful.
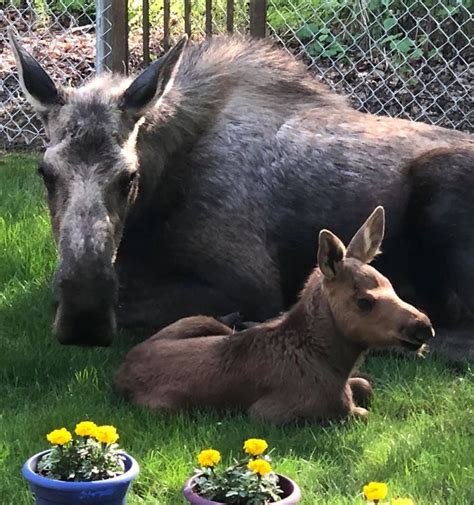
[{"x": 196, "y": 187}]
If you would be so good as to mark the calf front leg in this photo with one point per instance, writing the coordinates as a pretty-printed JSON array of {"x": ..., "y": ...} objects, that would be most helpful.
[{"x": 360, "y": 413}]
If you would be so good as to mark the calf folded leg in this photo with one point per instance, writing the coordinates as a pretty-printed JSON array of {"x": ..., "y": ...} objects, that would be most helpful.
[
  {"x": 170, "y": 401},
  {"x": 360, "y": 413},
  {"x": 190, "y": 327},
  {"x": 283, "y": 408},
  {"x": 362, "y": 391}
]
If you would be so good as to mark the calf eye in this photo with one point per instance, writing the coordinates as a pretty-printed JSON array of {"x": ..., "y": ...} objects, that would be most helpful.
[{"x": 365, "y": 304}]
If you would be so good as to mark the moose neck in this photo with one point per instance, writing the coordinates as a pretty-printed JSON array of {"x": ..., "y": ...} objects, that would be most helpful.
[
  {"x": 312, "y": 323},
  {"x": 174, "y": 125}
]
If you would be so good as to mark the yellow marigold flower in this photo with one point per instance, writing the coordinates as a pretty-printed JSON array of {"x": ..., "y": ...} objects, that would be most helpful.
[
  {"x": 106, "y": 434},
  {"x": 59, "y": 437},
  {"x": 86, "y": 429},
  {"x": 255, "y": 446},
  {"x": 260, "y": 466},
  {"x": 209, "y": 457},
  {"x": 375, "y": 491},
  {"x": 403, "y": 501}
]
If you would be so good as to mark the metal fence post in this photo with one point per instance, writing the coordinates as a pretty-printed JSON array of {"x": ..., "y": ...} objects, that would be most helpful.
[
  {"x": 103, "y": 26},
  {"x": 112, "y": 36}
]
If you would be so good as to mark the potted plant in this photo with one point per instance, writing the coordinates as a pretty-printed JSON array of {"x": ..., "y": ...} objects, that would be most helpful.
[
  {"x": 87, "y": 469},
  {"x": 250, "y": 481}
]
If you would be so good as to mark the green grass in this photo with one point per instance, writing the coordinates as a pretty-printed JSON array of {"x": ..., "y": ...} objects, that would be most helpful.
[{"x": 419, "y": 438}]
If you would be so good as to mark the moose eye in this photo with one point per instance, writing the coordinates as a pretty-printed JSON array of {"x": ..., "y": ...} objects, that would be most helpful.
[
  {"x": 127, "y": 180},
  {"x": 365, "y": 304}
]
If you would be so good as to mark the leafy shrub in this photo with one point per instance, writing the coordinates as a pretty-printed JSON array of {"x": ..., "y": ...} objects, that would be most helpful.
[{"x": 405, "y": 29}]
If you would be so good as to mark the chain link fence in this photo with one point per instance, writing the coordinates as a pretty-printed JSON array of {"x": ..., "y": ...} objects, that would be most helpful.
[
  {"x": 61, "y": 35},
  {"x": 403, "y": 58}
]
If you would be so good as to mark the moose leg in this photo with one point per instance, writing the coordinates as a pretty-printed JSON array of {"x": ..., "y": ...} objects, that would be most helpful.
[
  {"x": 169, "y": 301},
  {"x": 362, "y": 391},
  {"x": 455, "y": 344},
  {"x": 236, "y": 321},
  {"x": 454, "y": 338}
]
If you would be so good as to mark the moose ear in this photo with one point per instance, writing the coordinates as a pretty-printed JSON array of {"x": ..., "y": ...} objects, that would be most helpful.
[
  {"x": 366, "y": 243},
  {"x": 331, "y": 254},
  {"x": 151, "y": 84},
  {"x": 37, "y": 85}
]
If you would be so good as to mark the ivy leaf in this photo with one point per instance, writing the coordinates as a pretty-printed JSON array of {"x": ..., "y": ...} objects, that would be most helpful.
[
  {"x": 307, "y": 31},
  {"x": 389, "y": 23},
  {"x": 403, "y": 46}
]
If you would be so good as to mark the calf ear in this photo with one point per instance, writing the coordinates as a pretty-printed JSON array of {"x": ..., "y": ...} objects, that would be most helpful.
[
  {"x": 366, "y": 243},
  {"x": 331, "y": 254},
  {"x": 37, "y": 85},
  {"x": 151, "y": 84}
]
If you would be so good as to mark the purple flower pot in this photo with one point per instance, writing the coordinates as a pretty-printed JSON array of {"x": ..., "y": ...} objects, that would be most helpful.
[
  {"x": 291, "y": 493},
  {"x": 101, "y": 492}
]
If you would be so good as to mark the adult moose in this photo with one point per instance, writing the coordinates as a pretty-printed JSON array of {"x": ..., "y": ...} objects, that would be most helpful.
[{"x": 193, "y": 189}]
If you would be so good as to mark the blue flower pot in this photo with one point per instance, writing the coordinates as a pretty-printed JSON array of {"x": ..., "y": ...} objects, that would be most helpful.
[{"x": 57, "y": 492}]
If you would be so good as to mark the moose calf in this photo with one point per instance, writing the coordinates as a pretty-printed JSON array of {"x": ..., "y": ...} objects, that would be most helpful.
[{"x": 297, "y": 366}]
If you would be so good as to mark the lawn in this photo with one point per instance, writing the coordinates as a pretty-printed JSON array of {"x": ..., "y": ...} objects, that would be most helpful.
[{"x": 419, "y": 438}]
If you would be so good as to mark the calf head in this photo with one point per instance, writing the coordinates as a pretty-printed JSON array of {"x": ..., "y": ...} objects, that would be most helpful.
[
  {"x": 363, "y": 303},
  {"x": 91, "y": 173}
]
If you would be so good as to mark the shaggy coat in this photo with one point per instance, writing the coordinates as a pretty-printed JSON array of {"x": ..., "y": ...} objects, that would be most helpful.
[
  {"x": 197, "y": 189},
  {"x": 297, "y": 366}
]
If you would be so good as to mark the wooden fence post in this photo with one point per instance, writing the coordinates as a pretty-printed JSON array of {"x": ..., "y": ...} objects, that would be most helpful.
[
  {"x": 146, "y": 33},
  {"x": 230, "y": 16},
  {"x": 120, "y": 36},
  {"x": 258, "y": 18},
  {"x": 187, "y": 17},
  {"x": 166, "y": 24},
  {"x": 208, "y": 18}
]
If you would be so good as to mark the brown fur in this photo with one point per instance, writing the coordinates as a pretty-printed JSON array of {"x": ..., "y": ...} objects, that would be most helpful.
[{"x": 296, "y": 366}]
